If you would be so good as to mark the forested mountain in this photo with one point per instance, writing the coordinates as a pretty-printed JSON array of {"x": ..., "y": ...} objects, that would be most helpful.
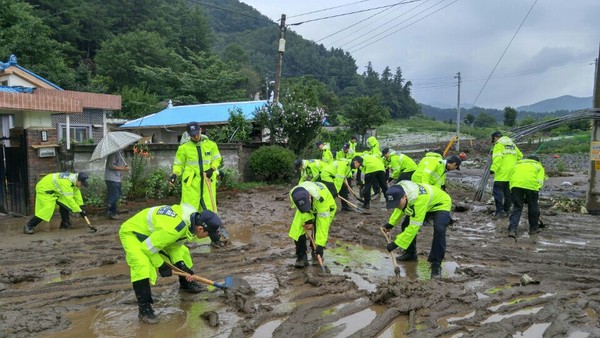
[
  {"x": 565, "y": 102},
  {"x": 149, "y": 51}
]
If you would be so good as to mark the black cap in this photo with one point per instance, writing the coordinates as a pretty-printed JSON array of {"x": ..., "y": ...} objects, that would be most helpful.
[
  {"x": 393, "y": 196},
  {"x": 301, "y": 200},
  {"x": 83, "y": 177},
  {"x": 496, "y": 134},
  {"x": 346, "y": 146},
  {"x": 318, "y": 143},
  {"x": 454, "y": 159},
  {"x": 193, "y": 128},
  {"x": 385, "y": 150},
  {"x": 297, "y": 164},
  {"x": 357, "y": 158},
  {"x": 354, "y": 137},
  {"x": 206, "y": 219}
]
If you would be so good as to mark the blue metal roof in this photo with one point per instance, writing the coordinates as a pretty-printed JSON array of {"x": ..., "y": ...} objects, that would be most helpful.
[
  {"x": 15, "y": 89},
  {"x": 12, "y": 62},
  {"x": 210, "y": 113}
]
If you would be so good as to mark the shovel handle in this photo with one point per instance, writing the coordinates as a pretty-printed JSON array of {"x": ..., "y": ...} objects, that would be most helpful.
[
  {"x": 177, "y": 271},
  {"x": 319, "y": 258},
  {"x": 210, "y": 194},
  {"x": 387, "y": 238},
  {"x": 87, "y": 220}
]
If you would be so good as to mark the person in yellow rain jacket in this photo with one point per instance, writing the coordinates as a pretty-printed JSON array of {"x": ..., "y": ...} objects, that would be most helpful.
[
  {"x": 373, "y": 145},
  {"x": 62, "y": 189},
  {"x": 195, "y": 158},
  {"x": 374, "y": 171},
  {"x": 155, "y": 235},
  {"x": 309, "y": 169},
  {"x": 333, "y": 176},
  {"x": 505, "y": 155},
  {"x": 433, "y": 167},
  {"x": 401, "y": 166},
  {"x": 526, "y": 179},
  {"x": 315, "y": 210},
  {"x": 345, "y": 153},
  {"x": 325, "y": 148},
  {"x": 418, "y": 202}
]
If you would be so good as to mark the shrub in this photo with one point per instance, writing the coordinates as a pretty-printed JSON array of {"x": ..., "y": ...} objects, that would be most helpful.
[
  {"x": 156, "y": 185},
  {"x": 138, "y": 174},
  {"x": 231, "y": 178},
  {"x": 95, "y": 193},
  {"x": 272, "y": 164}
]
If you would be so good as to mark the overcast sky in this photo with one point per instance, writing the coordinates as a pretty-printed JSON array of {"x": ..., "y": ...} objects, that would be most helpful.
[{"x": 552, "y": 54}]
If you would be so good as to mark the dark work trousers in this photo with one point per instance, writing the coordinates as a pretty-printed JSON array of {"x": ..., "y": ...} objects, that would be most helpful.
[
  {"x": 441, "y": 219},
  {"x": 65, "y": 213},
  {"x": 343, "y": 191},
  {"x": 301, "y": 247},
  {"x": 371, "y": 179},
  {"x": 502, "y": 197},
  {"x": 405, "y": 176},
  {"x": 520, "y": 196},
  {"x": 113, "y": 191}
]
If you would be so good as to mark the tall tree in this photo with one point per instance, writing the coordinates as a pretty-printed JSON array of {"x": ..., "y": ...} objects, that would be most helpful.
[
  {"x": 365, "y": 112},
  {"x": 510, "y": 117}
]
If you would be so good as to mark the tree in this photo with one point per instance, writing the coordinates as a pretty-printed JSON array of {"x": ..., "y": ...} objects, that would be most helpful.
[
  {"x": 365, "y": 112},
  {"x": 485, "y": 120},
  {"x": 469, "y": 119},
  {"x": 510, "y": 117}
]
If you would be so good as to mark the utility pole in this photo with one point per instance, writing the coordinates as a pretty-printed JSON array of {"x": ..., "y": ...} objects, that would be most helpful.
[
  {"x": 280, "y": 52},
  {"x": 592, "y": 202},
  {"x": 458, "y": 114}
]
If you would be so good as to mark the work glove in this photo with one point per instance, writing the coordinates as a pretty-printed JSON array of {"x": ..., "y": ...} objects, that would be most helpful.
[
  {"x": 391, "y": 246},
  {"x": 388, "y": 226},
  {"x": 319, "y": 251},
  {"x": 491, "y": 172},
  {"x": 209, "y": 172},
  {"x": 443, "y": 187},
  {"x": 165, "y": 271},
  {"x": 172, "y": 178},
  {"x": 82, "y": 214},
  {"x": 181, "y": 266}
]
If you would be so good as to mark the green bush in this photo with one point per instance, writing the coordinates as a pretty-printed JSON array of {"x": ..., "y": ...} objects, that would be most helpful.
[
  {"x": 95, "y": 193},
  {"x": 231, "y": 178},
  {"x": 156, "y": 185},
  {"x": 272, "y": 164}
]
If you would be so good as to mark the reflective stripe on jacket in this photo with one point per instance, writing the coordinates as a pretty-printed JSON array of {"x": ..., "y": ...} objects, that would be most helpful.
[
  {"x": 431, "y": 170},
  {"x": 527, "y": 174},
  {"x": 322, "y": 212},
  {"x": 504, "y": 157},
  {"x": 57, "y": 187}
]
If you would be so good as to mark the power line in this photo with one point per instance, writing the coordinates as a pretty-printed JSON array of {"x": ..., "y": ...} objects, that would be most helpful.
[
  {"x": 344, "y": 14},
  {"x": 232, "y": 12},
  {"x": 326, "y": 9},
  {"x": 504, "y": 52},
  {"x": 410, "y": 24}
]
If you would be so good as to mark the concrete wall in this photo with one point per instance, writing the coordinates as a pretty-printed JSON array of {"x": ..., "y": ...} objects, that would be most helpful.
[{"x": 162, "y": 155}]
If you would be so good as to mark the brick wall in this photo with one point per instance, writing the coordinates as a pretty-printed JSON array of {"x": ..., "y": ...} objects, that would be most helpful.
[{"x": 38, "y": 167}]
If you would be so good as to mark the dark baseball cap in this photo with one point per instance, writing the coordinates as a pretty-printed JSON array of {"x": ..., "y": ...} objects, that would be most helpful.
[
  {"x": 496, "y": 134},
  {"x": 318, "y": 143},
  {"x": 207, "y": 219},
  {"x": 300, "y": 197},
  {"x": 393, "y": 196},
  {"x": 193, "y": 128},
  {"x": 454, "y": 159},
  {"x": 346, "y": 146},
  {"x": 83, "y": 177},
  {"x": 385, "y": 150}
]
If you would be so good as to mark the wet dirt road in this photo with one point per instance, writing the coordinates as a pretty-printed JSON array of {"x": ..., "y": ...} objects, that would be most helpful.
[{"x": 73, "y": 283}]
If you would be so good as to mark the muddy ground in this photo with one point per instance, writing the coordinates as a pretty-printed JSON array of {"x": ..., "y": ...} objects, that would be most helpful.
[{"x": 73, "y": 283}]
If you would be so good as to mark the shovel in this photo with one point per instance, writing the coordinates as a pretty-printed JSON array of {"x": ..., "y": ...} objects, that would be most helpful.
[
  {"x": 210, "y": 193},
  {"x": 352, "y": 191},
  {"x": 396, "y": 267},
  {"x": 87, "y": 220},
  {"x": 319, "y": 258},
  {"x": 359, "y": 210},
  {"x": 230, "y": 282}
]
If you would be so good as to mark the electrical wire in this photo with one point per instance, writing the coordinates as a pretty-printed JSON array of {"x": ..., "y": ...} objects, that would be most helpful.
[
  {"x": 326, "y": 9},
  {"x": 504, "y": 52},
  {"x": 343, "y": 14},
  {"x": 233, "y": 12}
]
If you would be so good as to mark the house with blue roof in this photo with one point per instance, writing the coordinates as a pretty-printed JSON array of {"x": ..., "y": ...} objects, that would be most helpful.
[
  {"x": 35, "y": 114},
  {"x": 168, "y": 125}
]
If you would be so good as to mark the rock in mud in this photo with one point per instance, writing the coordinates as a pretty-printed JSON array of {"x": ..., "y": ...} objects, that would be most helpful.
[{"x": 211, "y": 317}]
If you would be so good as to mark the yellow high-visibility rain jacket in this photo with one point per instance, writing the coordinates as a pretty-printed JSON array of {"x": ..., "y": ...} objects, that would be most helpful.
[
  {"x": 157, "y": 229},
  {"x": 321, "y": 213},
  {"x": 371, "y": 163},
  {"x": 57, "y": 188},
  {"x": 527, "y": 174},
  {"x": 398, "y": 164},
  {"x": 311, "y": 170},
  {"x": 421, "y": 199},
  {"x": 336, "y": 172},
  {"x": 374, "y": 145},
  {"x": 504, "y": 157},
  {"x": 326, "y": 155},
  {"x": 431, "y": 170},
  {"x": 187, "y": 166}
]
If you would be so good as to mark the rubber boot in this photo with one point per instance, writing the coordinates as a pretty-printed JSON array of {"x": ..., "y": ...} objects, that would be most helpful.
[
  {"x": 408, "y": 257},
  {"x": 436, "y": 270},
  {"x": 184, "y": 285},
  {"x": 65, "y": 216},
  {"x": 301, "y": 258},
  {"x": 29, "y": 228},
  {"x": 143, "y": 294}
]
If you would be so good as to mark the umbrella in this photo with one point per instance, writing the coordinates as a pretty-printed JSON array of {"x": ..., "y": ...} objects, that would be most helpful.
[{"x": 113, "y": 142}]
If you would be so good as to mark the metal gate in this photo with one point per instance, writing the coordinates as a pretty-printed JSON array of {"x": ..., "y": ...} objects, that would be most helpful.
[{"x": 13, "y": 179}]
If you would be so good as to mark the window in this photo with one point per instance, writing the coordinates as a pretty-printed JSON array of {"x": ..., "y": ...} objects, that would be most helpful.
[{"x": 79, "y": 132}]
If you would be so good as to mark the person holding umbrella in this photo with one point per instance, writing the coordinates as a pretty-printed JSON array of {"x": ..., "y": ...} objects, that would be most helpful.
[{"x": 113, "y": 174}]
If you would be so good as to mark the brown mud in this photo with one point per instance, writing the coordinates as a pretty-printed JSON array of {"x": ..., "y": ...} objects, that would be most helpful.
[{"x": 74, "y": 283}]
